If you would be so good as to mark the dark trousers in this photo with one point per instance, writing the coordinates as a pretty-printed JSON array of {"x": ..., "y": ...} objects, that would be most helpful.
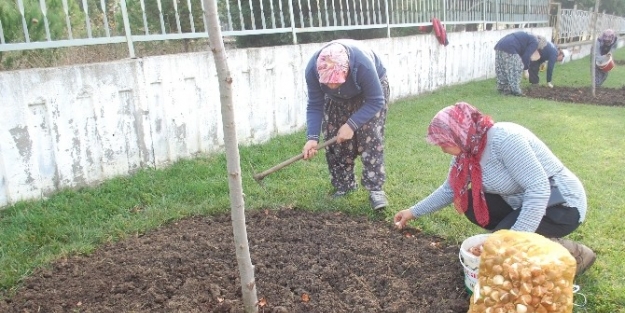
[
  {"x": 533, "y": 71},
  {"x": 559, "y": 220}
]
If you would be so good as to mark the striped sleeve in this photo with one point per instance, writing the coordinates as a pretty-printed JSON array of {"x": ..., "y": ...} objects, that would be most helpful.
[{"x": 440, "y": 198}]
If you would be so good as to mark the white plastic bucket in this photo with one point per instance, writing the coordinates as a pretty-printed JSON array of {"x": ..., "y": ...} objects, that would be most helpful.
[{"x": 470, "y": 262}]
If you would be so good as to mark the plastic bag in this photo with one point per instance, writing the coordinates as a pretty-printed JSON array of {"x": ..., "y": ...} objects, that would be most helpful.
[{"x": 523, "y": 272}]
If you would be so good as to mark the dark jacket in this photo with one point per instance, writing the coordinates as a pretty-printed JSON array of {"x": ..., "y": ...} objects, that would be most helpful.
[
  {"x": 521, "y": 43},
  {"x": 550, "y": 54},
  {"x": 363, "y": 80}
]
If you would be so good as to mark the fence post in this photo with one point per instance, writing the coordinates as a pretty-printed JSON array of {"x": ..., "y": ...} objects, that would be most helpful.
[
  {"x": 1, "y": 33},
  {"x": 496, "y": 14},
  {"x": 388, "y": 21},
  {"x": 484, "y": 14},
  {"x": 131, "y": 47},
  {"x": 293, "y": 32}
]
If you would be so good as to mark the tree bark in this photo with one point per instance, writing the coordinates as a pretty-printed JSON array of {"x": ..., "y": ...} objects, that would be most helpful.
[
  {"x": 237, "y": 204},
  {"x": 593, "y": 36}
]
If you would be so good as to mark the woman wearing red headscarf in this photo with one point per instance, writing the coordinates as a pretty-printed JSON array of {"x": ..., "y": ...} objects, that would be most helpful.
[{"x": 503, "y": 177}]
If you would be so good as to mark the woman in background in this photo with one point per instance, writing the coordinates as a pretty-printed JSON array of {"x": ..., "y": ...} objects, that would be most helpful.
[
  {"x": 548, "y": 53},
  {"x": 512, "y": 57},
  {"x": 605, "y": 45}
]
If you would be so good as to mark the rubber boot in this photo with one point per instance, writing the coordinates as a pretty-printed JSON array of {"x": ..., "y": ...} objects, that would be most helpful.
[{"x": 583, "y": 255}]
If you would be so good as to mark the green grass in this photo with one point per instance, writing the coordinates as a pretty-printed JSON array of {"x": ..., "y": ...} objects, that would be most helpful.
[{"x": 587, "y": 138}]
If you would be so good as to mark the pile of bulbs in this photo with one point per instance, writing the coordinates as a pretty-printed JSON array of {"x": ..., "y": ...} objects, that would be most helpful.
[{"x": 523, "y": 273}]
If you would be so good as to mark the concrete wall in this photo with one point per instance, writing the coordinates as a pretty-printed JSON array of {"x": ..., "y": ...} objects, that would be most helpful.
[{"x": 75, "y": 126}]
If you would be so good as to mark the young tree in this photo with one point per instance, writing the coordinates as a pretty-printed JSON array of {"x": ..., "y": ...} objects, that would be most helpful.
[
  {"x": 593, "y": 36},
  {"x": 237, "y": 206}
]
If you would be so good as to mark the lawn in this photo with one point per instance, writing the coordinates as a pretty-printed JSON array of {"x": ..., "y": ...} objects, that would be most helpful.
[{"x": 587, "y": 138}]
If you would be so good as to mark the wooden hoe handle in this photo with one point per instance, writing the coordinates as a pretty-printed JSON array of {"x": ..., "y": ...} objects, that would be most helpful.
[{"x": 260, "y": 176}]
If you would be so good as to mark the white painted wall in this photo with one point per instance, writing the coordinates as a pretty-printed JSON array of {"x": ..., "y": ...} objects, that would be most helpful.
[{"x": 75, "y": 126}]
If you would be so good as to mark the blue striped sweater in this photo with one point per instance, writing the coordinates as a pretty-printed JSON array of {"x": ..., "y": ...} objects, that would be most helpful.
[{"x": 516, "y": 165}]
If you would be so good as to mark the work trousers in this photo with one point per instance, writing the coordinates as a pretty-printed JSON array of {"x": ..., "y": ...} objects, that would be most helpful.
[
  {"x": 368, "y": 143},
  {"x": 509, "y": 69}
]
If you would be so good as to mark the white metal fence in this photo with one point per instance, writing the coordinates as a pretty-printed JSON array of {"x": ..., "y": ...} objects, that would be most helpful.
[
  {"x": 572, "y": 25},
  {"x": 37, "y": 24}
]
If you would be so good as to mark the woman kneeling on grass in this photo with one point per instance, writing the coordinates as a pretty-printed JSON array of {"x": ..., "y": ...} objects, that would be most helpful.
[{"x": 510, "y": 172}]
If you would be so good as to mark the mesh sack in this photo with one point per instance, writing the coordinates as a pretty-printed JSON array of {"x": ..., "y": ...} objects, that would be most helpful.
[{"x": 523, "y": 272}]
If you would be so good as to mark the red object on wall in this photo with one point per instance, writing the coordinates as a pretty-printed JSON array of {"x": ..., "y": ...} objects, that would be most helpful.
[{"x": 439, "y": 31}]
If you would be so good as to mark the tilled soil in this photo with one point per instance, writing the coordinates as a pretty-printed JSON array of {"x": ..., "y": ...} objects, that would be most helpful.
[
  {"x": 304, "y": 262},
  {"x": 603, "y": 96}
]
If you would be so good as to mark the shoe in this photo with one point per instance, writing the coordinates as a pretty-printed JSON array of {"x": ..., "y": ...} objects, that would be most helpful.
[
  {"x": 583, "y": 255},
  {"x": 378, "y": 200},
  {"x": 343, "y": 193}
]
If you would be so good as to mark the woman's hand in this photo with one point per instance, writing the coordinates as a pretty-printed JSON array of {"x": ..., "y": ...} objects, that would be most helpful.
[
  {"x": 402, "y": 217},
  {"x": 345, "y": 133},
  {"x": 310, "y": 149}
]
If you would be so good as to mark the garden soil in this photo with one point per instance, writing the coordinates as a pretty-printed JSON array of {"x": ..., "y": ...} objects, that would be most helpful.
[
  {"x": 603, "y": 96},
  {"x": 304, "y": 262}
]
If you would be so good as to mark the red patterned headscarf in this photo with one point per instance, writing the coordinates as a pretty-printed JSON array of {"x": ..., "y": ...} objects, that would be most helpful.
[
  {"x": 462, "y": 125},
  {"x": 333, "y": 64}
]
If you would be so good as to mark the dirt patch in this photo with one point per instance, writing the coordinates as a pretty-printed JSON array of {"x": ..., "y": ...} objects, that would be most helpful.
[
  {"x": 604, "y": 96},
  {"x": 304, "y": 262}
]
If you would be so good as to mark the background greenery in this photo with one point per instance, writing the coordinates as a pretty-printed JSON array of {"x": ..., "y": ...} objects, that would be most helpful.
[
  {"x": 587, "y": 138},
  {"x": 94, "y": 18}
]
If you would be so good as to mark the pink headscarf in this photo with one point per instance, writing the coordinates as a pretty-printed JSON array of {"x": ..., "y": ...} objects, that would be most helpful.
[
  {"x": 333, "y": 64},
  {"x": 462, "y": 125},
  {"x": 608, "y": 37}
]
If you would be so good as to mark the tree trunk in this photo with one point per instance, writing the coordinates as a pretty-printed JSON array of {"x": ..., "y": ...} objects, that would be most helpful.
[
  {"x": 237, "y": 205},
  {"x": 593, "y": 36}
]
